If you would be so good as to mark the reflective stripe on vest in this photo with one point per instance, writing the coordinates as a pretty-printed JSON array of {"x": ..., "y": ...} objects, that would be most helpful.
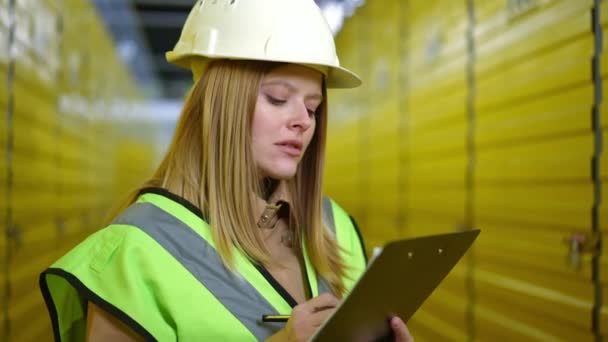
[
  {"x": 328, "y": 215},
  {"x": 348, "y": 238},
  {"x": 204, "y": 263}
]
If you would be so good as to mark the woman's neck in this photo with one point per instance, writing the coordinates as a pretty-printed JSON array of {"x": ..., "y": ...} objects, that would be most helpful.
[{"x": 267, "y": 187}]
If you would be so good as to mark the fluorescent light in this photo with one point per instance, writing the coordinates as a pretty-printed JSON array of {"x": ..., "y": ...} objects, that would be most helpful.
[{"x": 334, "y": 14}]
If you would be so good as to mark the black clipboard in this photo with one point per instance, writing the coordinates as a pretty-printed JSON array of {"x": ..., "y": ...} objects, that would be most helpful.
[{"x": 396, "y": 282}]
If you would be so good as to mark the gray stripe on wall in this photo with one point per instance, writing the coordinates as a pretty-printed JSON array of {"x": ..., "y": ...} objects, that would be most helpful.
[{"x": 205, "y": 264}]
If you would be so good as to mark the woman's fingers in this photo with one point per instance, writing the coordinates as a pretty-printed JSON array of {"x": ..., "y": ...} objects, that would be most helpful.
[
  {"x": 321, "y": 302},
  {"x": 402, "y": 333},
  {"x": 308, "y": 316},
  {"x": 319, "y": 317}
]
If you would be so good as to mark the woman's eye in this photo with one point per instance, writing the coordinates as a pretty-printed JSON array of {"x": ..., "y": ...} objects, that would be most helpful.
[{"x": 275, "y": 101}]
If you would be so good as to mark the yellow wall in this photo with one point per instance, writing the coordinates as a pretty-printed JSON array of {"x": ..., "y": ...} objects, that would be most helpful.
[
  {"x": 478, "y": 114},
  {"x": 64, "y": 153},
  {"x": 473, "y": 114}
]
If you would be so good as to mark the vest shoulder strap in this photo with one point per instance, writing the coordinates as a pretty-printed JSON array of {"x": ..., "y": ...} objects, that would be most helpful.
[{"x": 349, "y": 239}]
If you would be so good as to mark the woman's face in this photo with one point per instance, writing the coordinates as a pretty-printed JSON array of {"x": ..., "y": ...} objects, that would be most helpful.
[{"x": 284, "y": 119}]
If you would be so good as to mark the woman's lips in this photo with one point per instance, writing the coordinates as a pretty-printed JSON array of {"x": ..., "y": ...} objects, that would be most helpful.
[{"x": 291, "y": 147}]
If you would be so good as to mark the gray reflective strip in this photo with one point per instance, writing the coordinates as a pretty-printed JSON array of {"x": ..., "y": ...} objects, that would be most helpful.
[
  {"x": 204, "y": 263},
  {"x": 328, "y": 219},
  {"x": 328, "y": 214},
  {"x": 322, "y": 285}
]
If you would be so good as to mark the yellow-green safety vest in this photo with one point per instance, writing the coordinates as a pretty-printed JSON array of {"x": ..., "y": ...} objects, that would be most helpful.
[{"x": 157, "y": 270}]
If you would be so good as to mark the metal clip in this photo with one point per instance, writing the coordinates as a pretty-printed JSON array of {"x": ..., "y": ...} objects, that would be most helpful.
[
  {"x": 582, "y": 243},
  {"x": 269, "y": 218}
]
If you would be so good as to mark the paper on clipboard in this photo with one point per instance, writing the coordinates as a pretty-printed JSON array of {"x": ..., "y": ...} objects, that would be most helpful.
[{"x": 396, "y": 282}]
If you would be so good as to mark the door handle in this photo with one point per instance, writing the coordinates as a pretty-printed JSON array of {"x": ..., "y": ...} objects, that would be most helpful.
[{"x": 582, "y": 243}]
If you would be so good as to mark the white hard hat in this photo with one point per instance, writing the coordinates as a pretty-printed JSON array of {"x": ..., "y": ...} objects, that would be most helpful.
[{"x": 291, "y": 31}]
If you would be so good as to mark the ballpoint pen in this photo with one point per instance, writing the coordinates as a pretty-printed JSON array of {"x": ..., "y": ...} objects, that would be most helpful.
[{"x": 275, "y": 318}]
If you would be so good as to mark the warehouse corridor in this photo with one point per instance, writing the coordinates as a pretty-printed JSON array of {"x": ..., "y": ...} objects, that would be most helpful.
[{"x": 473, "y": 114}]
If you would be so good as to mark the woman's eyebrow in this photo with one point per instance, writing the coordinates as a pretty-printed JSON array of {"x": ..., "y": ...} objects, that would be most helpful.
[{"x": 291, "y": 88}]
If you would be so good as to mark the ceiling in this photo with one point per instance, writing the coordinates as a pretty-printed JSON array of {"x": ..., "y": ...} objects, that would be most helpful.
[
  {"x": 145, "y": 29},
  {"x": 161, "y": 22}
]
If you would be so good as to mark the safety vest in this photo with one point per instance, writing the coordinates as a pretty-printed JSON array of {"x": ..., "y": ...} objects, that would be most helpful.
[{"x": 157, "y": 270}]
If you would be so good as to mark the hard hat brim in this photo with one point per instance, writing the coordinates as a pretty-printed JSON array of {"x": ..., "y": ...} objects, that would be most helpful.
[
  {"x": 342, "y": 78},
  {"x": 336, "y": 77}
]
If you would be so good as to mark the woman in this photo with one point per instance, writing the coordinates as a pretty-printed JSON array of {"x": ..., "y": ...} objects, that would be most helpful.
[{"x": 233, "y": 225}]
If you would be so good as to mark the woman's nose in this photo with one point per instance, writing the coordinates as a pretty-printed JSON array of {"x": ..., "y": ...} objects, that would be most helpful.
[{"x": 302, "y": 118}]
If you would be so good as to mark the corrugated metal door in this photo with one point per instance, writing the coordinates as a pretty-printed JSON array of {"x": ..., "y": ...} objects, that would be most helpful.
[
  {"x": 437, "y": 150},
  {"x": 601, "y": 263},
  {"x": 344, "y": 151},
  {"x": 68, "y": 153},
  {"x": 33, "y": 163},
  {"x": 497, "y": 107},
  {"x": 4, "y": 94},
  {"x": 81, "y": 158},
  {"x": 367, "y": 119},
  {"x": 533, "y": 184},
  {"x": 381, "y": 132}
]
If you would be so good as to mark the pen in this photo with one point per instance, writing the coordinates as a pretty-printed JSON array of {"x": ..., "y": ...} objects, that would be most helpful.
[{"x": 275, "y": 318}]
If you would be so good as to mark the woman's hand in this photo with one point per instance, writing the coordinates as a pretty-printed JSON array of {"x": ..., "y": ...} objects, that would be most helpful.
[
  {"x": 306, "y": 318},
  {"x": 400, "y": 330}
]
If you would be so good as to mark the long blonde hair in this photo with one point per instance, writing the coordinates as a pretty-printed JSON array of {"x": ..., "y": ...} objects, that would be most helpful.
[{"x": 210, "y": 164}]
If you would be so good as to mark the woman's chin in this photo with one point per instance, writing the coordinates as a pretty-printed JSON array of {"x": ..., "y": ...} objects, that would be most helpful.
[
  {"x": 283, "y": 175},
  {"x": 285, "y": 172}
]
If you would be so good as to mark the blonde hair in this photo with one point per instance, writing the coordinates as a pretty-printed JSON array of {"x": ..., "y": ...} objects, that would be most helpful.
[{"x": 210, "y": 164}]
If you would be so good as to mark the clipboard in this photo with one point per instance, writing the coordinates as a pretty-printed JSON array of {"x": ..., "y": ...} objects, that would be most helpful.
[{"x": 396, "y": 282}]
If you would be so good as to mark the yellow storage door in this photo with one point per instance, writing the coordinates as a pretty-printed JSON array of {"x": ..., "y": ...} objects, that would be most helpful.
[
  {"x": 66, "y": 104},
  {"x": 33, "y": 164},
  {"x": 397, "y": 147},
  {"x": 496, "y": 132},
  {"x": 345, "y": 167},
  {"x": 4, "y": 95},
  {"x": 602, "y": 262},
  {"x": 382, "y": 131},
  {"x": 533, "y": 187},
  {"x": 436, "y": 148}
]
